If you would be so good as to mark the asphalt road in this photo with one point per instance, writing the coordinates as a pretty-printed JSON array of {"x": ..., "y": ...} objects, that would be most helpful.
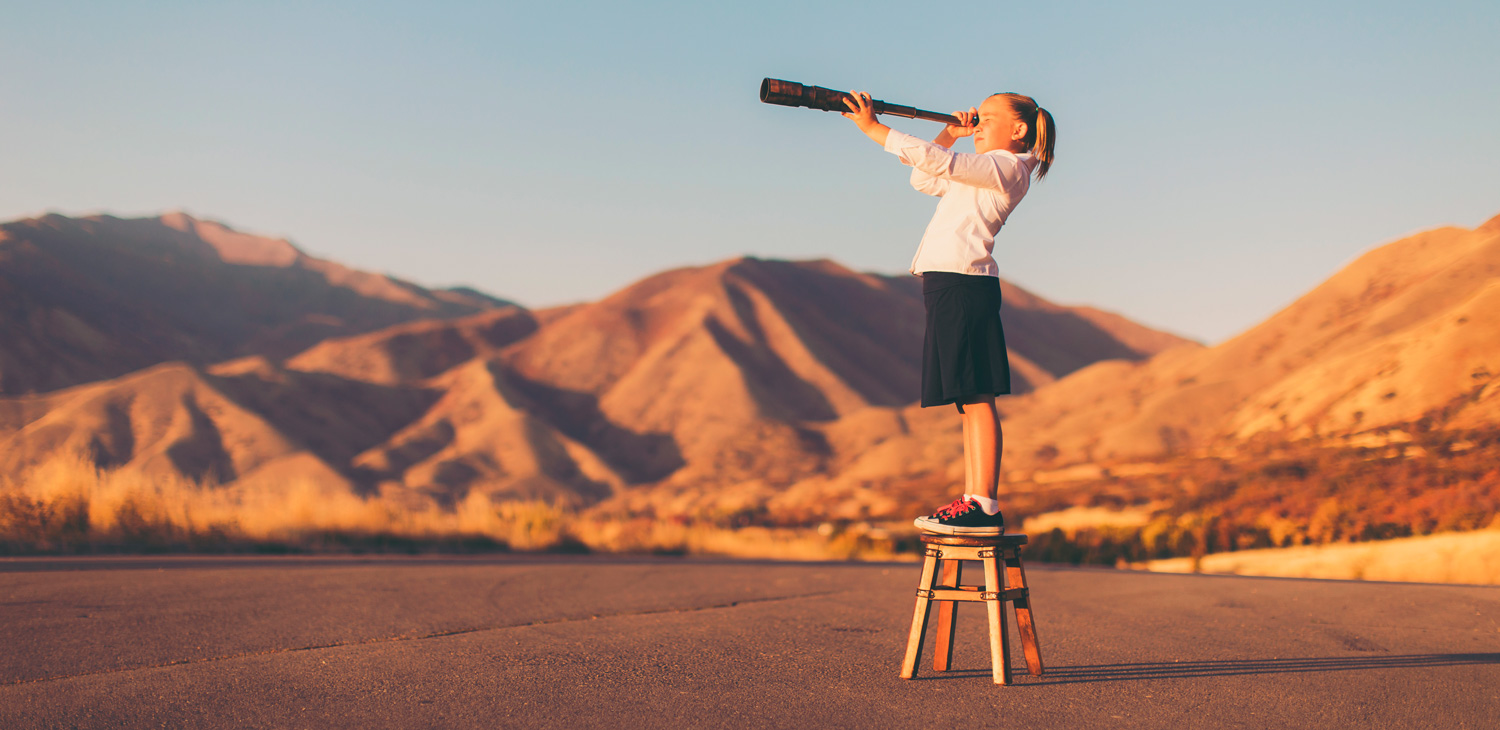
[{"x": 621, "y": 643}]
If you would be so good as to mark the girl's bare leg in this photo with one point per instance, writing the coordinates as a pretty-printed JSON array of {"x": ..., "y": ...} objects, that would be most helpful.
[
  {"x": 982, "y": 443},
  {"x": 969, "y": 474}
]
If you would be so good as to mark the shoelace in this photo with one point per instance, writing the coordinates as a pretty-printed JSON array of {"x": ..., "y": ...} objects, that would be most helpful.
[{"x": 955, "y": 508}]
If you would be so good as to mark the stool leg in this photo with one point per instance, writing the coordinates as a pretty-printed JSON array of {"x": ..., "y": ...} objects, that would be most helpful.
[
  {"x": 999, "y": 639},
  {"x": 1015, "y": 575},
  {"x": 947, "y": 613},
  {"x": 919, "y": 619}
]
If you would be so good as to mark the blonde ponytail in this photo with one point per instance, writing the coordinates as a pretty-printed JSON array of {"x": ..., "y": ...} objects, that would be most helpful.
[
  {"x": 1046, "y": 140},
  {"x": 1041, "y": 131}
]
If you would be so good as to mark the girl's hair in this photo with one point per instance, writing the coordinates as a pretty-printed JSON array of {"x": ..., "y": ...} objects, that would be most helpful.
[{"x": 1041, "y": 132}]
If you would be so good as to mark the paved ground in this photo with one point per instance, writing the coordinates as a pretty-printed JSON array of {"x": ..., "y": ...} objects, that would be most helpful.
[{"x": 597, "y": 642}]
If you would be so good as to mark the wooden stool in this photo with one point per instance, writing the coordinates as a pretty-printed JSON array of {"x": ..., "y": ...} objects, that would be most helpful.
[{"x": 942, "y": 582}]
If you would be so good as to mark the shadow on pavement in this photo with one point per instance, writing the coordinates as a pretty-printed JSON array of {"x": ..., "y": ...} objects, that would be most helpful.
[{"x": 1227, "y": 668}]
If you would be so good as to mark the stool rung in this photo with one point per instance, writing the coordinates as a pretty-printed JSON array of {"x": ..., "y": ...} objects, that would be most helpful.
[
  {"x": 970, "y": 593},
  {"x": 969, "y": 553}
]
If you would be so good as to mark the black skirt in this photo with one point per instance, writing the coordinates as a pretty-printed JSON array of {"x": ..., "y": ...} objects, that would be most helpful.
[{"x": 963, "y": 352}]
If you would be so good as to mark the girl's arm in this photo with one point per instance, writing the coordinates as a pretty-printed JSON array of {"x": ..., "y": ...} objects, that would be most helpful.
[
  {"x": 934, "y": 158},
  {"x": 931, "y": 184},
  {"x": 952, "y": 132},
  {"x": 996, "y": 172},
  {"x": 924, "y": 183},
  {"x": 862, "y": 111},
  {"x": 863, "y": 114}
]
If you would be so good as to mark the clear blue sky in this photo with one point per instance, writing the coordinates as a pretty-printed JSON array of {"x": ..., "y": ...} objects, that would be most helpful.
[{"x": 1214, "y": 160}]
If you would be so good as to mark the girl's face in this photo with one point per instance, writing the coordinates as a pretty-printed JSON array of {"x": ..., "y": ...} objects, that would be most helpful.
[{"x": 998, "y": 127}]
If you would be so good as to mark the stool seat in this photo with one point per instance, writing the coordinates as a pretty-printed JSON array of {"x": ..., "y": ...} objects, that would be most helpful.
[
  {"x": 1011, "y": 541},
  {"x": 941, "y": 582}
]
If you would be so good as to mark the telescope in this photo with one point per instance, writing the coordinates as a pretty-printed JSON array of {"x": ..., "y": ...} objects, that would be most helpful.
[{"x": 791, "y": 93}]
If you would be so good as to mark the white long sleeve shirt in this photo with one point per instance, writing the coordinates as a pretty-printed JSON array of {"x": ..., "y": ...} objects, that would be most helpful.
[{"x": 977, "y": 191}]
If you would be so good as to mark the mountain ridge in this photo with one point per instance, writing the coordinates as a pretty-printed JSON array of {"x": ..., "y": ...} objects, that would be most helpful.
[
  {"x": 745, "y": 369},
  {"x": 783, "y": 389},
  {"x": 84, "y": 299},
  {"x": 1189, "y": 399}
]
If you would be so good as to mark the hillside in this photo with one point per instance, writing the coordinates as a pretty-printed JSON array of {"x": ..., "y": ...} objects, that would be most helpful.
[
  {"x": 87, "y": 299},
  {"x": 1403, "y": 337},
  {"x": 764, "y": 382},
  {"x": 1407, "y": 331},
  {"x": 703, "y": 379},
  {"x": 779, "y": 394}
]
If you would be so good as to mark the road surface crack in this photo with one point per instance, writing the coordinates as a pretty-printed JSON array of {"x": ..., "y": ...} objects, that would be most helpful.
[{"x": 419, "y": 637}]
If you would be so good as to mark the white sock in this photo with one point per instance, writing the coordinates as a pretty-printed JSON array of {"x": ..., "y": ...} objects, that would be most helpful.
[{"x": 990, "y": 506}]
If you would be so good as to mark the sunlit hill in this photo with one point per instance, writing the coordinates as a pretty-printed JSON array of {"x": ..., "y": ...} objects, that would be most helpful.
[{"x": 170, "y": 383}]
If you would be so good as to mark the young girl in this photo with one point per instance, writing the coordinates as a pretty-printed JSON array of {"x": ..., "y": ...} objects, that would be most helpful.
[{"x": 963, "y": 355}]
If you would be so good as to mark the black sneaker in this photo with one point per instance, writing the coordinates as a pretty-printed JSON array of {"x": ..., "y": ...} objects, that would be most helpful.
[{"x": 963, "y": 517}]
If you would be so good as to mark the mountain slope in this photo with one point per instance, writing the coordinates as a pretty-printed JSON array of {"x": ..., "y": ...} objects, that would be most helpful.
[
  {"x": 744, "y": 372},
  {"x": 417, "y": 350},
  {"x": 746, "y": 361},
  {"x": 252, "y": 425},
  {"x": 1405, "y": 330},
  {"x": 168, "y": 419},
  {"x": 84, "y": 299},
  {"x": 1405, "y": 333}
]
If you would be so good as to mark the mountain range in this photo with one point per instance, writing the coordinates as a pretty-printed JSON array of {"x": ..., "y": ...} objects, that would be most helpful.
[
  {"x": 1404, "y": 333},
  {"x": 176, "y": 346},
  {"x": 86, "y": 299}
]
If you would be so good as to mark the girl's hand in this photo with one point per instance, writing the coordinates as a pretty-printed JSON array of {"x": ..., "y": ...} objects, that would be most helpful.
[
  {"x": 861, "y": 109},
  {"x": 955, "y": 131}
]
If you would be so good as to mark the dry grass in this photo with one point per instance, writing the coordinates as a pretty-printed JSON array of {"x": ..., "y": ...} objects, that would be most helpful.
[
  {"x": 1463, "y": 557},
  {"x": 72, "y": 506}
]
